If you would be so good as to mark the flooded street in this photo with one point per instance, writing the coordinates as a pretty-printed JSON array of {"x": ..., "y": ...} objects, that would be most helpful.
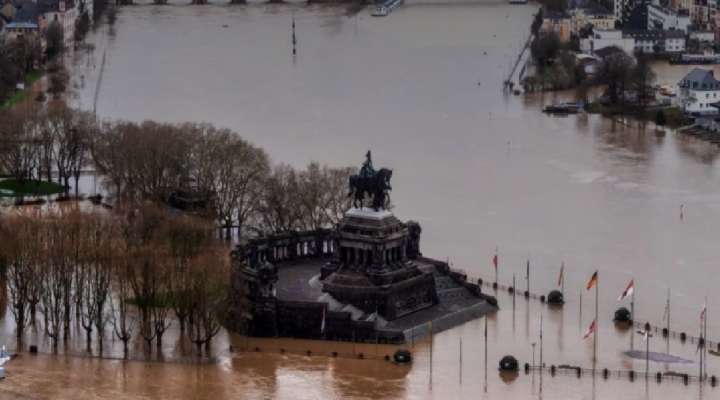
[{"x": 477, "y": 168}]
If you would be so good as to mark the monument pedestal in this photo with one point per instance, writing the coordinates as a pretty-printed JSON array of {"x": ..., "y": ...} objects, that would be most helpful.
[{"x": 370, "y": 268}]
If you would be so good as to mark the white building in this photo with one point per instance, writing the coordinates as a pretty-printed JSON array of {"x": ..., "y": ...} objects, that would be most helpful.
[
  {"x": 651, "y": 42},
  {"x": 697, "y": 91},
  {"x": 662, "y": 18},
  {"x": 63, "y": 12},
  {"x": 599, "y": 39}
]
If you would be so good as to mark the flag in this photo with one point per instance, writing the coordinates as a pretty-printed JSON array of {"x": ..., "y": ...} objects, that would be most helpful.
[
  {"x": 627, "y": 291},
  {"x": 322, "y": 326},
  {"x": 560, "y": 278},
  {"x": 667, "y": 307},
  {"x": 593, "y": 281},
  {"x": 590, "y": 330},
  {"x": 486, "y": 328},
  {"x": 541, "y": 328},
  {"x": 495, "y": 259},
  {"x": 702, "y": 314}
]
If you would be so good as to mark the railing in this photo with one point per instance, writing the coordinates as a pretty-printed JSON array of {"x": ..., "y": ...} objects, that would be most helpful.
[{"x": 632, "y": 375}]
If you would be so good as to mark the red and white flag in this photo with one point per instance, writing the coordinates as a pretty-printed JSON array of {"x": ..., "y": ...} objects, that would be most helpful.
[
  {"x": 590, "y": 330},
  {"x": 495, "y": 259},
  {"x": 627, "y": 291}
]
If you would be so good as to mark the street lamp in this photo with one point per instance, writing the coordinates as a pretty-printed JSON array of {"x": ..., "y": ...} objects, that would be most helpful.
[{"x": 533, "y": 364}]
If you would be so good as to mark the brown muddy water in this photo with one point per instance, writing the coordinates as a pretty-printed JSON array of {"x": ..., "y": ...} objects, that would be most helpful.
[{"x": 478, "y": 169}]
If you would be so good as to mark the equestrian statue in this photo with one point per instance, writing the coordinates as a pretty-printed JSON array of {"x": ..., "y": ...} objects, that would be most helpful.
[{"x": 374, "y": 184}]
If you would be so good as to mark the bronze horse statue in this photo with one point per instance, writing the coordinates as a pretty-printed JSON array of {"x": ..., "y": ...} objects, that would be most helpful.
[{"x": 377, "y": 187}]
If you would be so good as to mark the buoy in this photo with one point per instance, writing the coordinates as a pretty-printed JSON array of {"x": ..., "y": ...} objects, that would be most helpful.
[
  {"x": 402, "y": 356},
  {"x": 658, "y": 376},
  {"x": 555, "y": 297},
  {"x": 527, "y": 368},
  {"x": 632, "y": 374},
  {"x": 622, "y": 315},
  {"x": 542, "y": 298},
  {"x": 334, "y": 354},
  {"x": 605, "y": 373},
  {"x": 683, "y": 336},
  {"x": 509, "y": 363}
]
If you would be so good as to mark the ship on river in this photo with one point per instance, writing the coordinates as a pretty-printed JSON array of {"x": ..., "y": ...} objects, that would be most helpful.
[{"x": 386, "y": 8}]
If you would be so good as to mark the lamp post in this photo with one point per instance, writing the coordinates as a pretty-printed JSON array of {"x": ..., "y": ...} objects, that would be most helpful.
[{"x": 533, "y": 364}]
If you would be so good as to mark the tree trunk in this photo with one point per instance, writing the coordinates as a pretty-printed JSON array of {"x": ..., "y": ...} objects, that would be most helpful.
[{"x": 182, "y": 323}]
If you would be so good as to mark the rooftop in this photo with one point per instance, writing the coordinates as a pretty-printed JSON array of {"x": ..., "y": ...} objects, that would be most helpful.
[
  {"x": 700, "y": 79},
  {"x": 608, "y": 51},
  {"x": 674, "y": 34},
  {"x": 28, "y": 13},
  {"x": 589, "y": 7},
  {"x": 556, "y": 15}
]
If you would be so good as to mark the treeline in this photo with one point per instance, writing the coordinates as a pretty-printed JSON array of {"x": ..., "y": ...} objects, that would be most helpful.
[
  {"x": 242, "y": 188},
  {"x": 86, "y": 269}
]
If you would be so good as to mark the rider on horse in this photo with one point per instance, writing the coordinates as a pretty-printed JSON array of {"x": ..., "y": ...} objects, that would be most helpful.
[{"x": 367, "y": 170}]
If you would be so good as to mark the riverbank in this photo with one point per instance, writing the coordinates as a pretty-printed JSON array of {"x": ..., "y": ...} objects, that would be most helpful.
[
  {"x": 673, "y": 115},
  {"x": 31, "y": 79}
]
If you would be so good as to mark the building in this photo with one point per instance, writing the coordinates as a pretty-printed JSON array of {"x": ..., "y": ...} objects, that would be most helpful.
[
  {"x": 700, "y": 13},
  {"x": 599, "y": 39},
  {"x": 24, "y": 24},
  {"x": 556, "y": 23},
  {"x": 586, "y": 12},
  {"x": 663, "y": 18},
  {"x": 63, "y": 12},
  {"x": 697, "y": 91},
  {"x": 651, "y": 42},
  {"x": 703, "y": 36}
]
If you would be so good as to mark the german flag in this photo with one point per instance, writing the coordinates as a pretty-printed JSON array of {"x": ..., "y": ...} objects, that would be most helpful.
[{"x": 593, "y": 281}]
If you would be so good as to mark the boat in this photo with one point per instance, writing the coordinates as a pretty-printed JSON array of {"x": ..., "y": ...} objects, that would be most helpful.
[
  {"x": 695, "y": 59},
  {"x": 563, "y": 108},
  {"x": 387, "y": 7},
  {"x": 518, "y": 1}
]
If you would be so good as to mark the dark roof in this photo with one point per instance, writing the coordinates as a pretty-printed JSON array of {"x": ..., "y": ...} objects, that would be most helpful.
[
  {"x": 700, "y": 79},
  {"x": 53, "y": 5},
  {"x": 608, "y": 51},
  {"x": 675, "y": 34},
  {"x": 643, "y": 34},
  {"x": 556, "y": 15},
  {"x": 28, "y": 13},
  {"x": 589, "y": 7}
]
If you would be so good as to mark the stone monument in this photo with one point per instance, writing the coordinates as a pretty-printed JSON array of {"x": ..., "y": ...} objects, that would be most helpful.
[{"x": 370, "y": 267}]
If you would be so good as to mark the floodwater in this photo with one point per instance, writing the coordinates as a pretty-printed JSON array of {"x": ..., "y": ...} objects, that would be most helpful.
[{"x": 477, "y": 168}]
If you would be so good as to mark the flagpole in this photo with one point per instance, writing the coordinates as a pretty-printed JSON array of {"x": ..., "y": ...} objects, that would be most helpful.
[
  {"x": 562, "y": 268},
  {"x": 647, "y": 349},
  {"x": 541, "y": 343},
  {"x": 632, "y": 306},
  {"x": 497, "y": 263},
  {"x": 705, "y": 336},
  {"x": 668, "y": 306},
  {"x": 486, "y": 343},
  {"x": 528, "y": 276},
  {"x": 597, "y": 289}
]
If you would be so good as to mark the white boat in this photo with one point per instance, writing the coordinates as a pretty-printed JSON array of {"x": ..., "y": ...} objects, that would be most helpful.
[
  {"x": 4, "y": 357},
  {"x": 386, "y": 8},
  {"x": 379, "y": 11}
]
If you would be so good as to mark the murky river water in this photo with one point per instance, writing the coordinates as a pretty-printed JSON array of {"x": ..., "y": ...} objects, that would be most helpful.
[{"x": 476, "y": 168}]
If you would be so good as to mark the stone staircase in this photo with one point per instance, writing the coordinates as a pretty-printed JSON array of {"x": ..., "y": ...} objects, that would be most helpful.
[
  {"x": 447, "y": 322},
  {"x": 356, "y": 313}
]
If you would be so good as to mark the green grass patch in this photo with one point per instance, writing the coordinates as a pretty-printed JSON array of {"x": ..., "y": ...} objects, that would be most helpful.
[
  {"x": 11, "y": 188},
  {"x": 33, "y": 77},
  {"x": 14, "y": 100},
  {"x": 161, "y": 300}
]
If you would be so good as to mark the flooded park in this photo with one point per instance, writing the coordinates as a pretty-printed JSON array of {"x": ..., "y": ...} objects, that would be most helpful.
[{"x": 477, "y": 168}]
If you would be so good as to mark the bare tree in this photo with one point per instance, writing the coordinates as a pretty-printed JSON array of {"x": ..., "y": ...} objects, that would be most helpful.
[
  {"x": 210, "y": 283},
  {"x": 276, "y": 209},
  {"x": 18, "y": 146},
  {"x": 55, "y": 272},
  {"x": 615, "y": 71},
  {"x": 19, "y": 253}
]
